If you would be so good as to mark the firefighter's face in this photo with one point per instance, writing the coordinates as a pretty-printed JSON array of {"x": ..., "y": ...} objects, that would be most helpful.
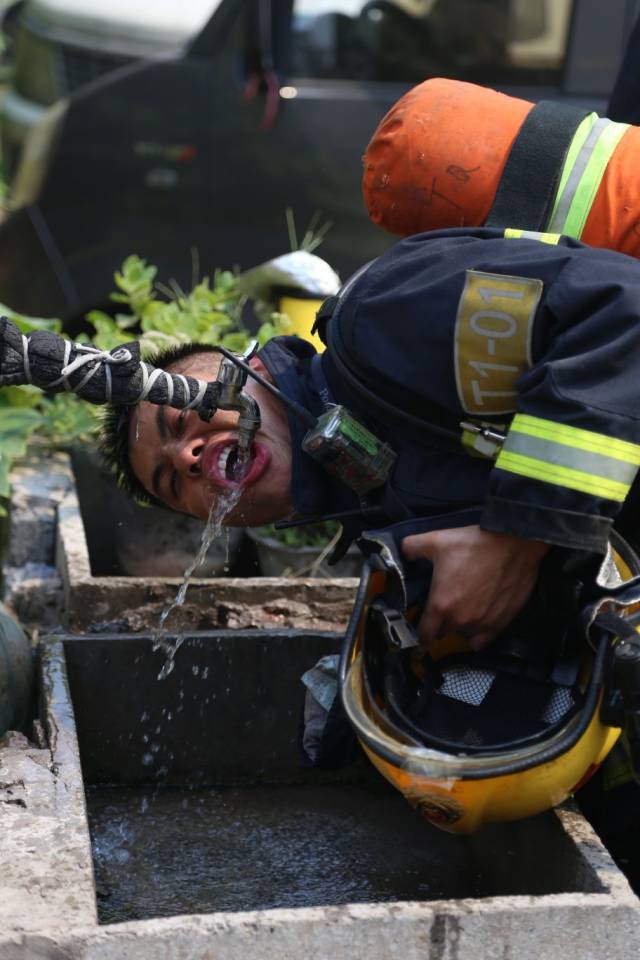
[{"x": 183, "y": 461}]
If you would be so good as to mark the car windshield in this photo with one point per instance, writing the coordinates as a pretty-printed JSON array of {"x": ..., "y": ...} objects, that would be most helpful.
[{"x": 496, "y": 41}]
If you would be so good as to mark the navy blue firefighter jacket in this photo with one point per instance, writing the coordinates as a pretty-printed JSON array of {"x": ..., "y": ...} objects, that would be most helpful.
[{"x": 537, "y": 334}]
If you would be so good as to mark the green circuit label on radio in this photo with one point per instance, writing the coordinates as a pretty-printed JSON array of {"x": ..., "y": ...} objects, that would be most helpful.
[{"x": 360, "y": 435}]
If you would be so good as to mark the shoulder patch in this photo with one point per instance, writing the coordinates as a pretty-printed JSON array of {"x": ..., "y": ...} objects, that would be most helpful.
[{"x": 493, "y": 332}]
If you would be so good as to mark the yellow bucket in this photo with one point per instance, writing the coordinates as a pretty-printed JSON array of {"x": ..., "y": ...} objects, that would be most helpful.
[{"x": 301, "y": 311}]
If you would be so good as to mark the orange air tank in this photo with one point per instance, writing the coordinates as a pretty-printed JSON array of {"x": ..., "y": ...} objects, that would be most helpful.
[{"x": 437, "y": 158}]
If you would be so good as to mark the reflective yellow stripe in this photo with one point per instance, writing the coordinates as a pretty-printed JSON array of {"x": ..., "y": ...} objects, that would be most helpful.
[
  {"x": 592, "y": 147},
  {"x": 578, "y": 142},
  {"x": 562, "y": 476},
  {"x": 512, "y": 234},
  {"x": 577, "y": 145},
  {"x": 576, "y": 437},
  {"x": 587, "y": 159},
  {"x": 570, "y": 457}
]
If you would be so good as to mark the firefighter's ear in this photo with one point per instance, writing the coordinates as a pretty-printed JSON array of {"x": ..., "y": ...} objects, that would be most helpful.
[{"x": 256, "y": 364}]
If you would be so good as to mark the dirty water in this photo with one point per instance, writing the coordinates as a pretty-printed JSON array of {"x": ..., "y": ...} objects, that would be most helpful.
[{"x": 172, "y": 851}]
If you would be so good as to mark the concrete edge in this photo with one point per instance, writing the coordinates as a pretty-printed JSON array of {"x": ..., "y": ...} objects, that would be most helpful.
[
  {"x": 59, "y": 723},
  {"x": 135, "y": 603},
  {"x": 72, "y": 551},
  {"x": 595, "y": 854},
  {"x": 45, "y": 849},
  {"x": 562, "y": 927}
]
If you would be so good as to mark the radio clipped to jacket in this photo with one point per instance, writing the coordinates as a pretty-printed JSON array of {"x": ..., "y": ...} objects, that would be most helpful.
[{"x": 348, "y": 450}]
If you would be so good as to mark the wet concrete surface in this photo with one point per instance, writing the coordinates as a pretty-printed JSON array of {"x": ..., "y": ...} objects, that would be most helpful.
[{"x": 158, "y": 853}]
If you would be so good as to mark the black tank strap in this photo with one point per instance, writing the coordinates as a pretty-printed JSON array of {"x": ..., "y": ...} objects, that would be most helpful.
[
  {"x": 524, "y": 198},
  {"x": 323, "y": 315}
]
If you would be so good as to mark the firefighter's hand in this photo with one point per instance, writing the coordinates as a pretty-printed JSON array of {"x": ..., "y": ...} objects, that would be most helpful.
[{"x": 480, "y": 580}]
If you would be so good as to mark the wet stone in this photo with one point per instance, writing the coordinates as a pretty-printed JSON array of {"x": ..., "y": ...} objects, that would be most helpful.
[{"x": 15, "y": 740}]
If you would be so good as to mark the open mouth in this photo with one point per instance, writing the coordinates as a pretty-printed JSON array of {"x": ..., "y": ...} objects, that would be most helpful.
[
  {"x": 225, "y": 465},
  {"x": 232, "y": 466}
]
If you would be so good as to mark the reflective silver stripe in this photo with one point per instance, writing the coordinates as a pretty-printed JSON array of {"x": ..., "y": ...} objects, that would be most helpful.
[
  {"x": 596, "y": 464},
  {"x": 530, "y": 235},
  {"x": 578, "y": 169}
]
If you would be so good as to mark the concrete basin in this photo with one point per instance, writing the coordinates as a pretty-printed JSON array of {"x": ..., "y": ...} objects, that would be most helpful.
[
  {"x": 97, "y": 597},
  {"x": 60, "y": 569},
  {"x": 211, "y": 838}
]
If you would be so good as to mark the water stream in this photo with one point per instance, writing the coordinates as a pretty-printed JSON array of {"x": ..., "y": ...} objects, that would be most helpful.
[{"x": 170, "y": 643}]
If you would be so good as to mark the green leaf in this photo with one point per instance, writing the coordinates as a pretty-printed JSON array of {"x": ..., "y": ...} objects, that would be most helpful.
[
  {"x": 154, "y": 341},
  {"x": 25, "y": 396},
  {"x": 27, "y": 324},
  {"x": 5, "y": 488},
  {"x": 125, "y": 322},
  {"x": 98, "y": 316},
  {"x": 16, "y": 426},
  {"x": 310, "y": 535},
  {"x": 237, "y": 342},
  {"x": 136, "y": 276},
  {"x": 16, "y": 419},
  {"x": 108, "y": 335},
  {"x": 67, "y": 419}
]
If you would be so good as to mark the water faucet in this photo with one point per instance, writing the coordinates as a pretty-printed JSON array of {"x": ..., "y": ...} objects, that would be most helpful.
[{"x": 232, "y": 379}]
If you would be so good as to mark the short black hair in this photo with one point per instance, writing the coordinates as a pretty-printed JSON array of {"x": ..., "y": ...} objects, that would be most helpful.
[{"x": 116, "y": 425}]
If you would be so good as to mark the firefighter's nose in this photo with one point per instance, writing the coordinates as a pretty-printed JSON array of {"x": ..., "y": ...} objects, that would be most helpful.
[{"x": 186, "y": 456}]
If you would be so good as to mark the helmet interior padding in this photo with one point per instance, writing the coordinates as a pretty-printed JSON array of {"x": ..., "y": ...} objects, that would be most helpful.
[{"x": 476, "y": 702}]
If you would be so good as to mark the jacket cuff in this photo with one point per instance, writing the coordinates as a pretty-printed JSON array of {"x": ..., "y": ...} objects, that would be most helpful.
[{"x": 563, "y": 528}]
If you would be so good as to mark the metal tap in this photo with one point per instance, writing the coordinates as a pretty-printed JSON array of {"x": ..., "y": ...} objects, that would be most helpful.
[{"x": 232, "y": 380}]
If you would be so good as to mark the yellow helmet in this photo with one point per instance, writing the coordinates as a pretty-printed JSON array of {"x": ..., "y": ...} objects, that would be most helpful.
[{"x": 505, "y": 733}]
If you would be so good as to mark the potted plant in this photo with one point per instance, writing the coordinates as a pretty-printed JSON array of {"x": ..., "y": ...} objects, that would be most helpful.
[{"x": 303, "y": 551}]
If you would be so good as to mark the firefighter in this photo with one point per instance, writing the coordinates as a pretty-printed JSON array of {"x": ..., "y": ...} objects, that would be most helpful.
[
  {"x": 536, "y": 337},
  {"x": 476, "y": 408}
]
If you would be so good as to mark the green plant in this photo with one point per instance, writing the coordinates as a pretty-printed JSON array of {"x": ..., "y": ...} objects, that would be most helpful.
[
  {"x": 310, "y": 535},
  {"x": 313, "y": 235},
  {"x": 210, "y": 314}
]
